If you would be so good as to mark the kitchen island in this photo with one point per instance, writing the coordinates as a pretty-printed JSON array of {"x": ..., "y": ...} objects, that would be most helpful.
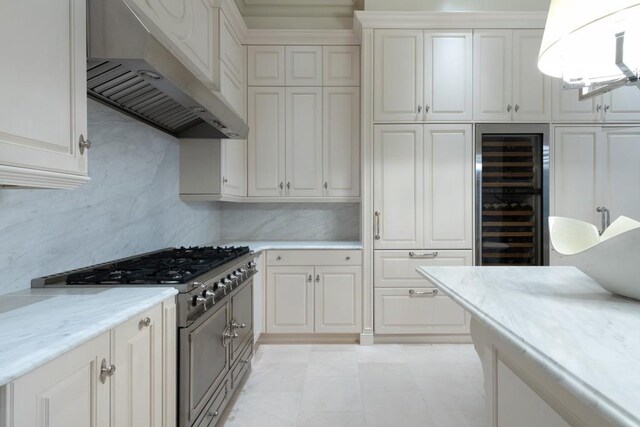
[{"x": 556, "y": 348}]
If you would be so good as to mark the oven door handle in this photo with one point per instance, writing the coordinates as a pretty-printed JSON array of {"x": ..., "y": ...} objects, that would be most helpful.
[{"x": 228, "y": 335}]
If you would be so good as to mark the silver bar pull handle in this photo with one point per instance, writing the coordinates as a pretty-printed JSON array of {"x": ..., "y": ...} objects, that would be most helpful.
[
  {"x": 426, "y": 255},
  {"x": 377, "y": 215},
  {"x": 431, "y": 293},
  {"x": 605, "y": 219}
]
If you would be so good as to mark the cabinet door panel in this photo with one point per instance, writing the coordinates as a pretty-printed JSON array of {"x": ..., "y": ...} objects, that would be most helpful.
[
  {"x": 266, "y": 65},
  {"x": 233, "y": 90},
  {"x": 304, "y": 142},
  {"x": 234, "y": 167},
  {"x": 231, "y": 49},
  {"x": 448, "y": 75},
  {"x": 290, "y": 299},
  {"x": 567, "y": 106},
  {"x": 341, "y": 65},
  {"x": 398, "y": 75},
  {"x": 303, "y": 65},
  {"x": 43, "y": 106},
  {"x": 397, "y": 311},
  {"x": 622, "y": 105},
  {"x": 65, "y": 392},
  {"x": 448, "y": 186},
  {"x": 266, "y": 147},
  {"x": 341, "y": 145},
  {"x": 338, "y": 299},
  {"x": 531, "y": 88},
  {"x": 137, "y": 351},
  {"x": 574, "y": 168},
  {"x": 492, "y": 75},
  {"x": 398, "y": 195},
  {"x": 621, "y": 173},
  {"x": 397, "y": 269}
]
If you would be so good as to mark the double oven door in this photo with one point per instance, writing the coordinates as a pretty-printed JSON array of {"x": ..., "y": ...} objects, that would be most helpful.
[{"x": 209, "y": 349}]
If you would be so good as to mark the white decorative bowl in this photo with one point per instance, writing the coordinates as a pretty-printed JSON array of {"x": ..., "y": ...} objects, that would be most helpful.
[{"x": 611, "y": 259}]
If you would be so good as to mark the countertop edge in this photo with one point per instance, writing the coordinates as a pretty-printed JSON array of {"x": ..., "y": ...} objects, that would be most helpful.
[
  {"x": 267, "y": 245},
  {"x": 70, "y": 342},
  {"x": 608, "y": 409}
]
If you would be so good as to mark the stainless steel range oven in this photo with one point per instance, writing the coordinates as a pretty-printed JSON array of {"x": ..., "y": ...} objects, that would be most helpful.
[{"x": 214, "y": 317}]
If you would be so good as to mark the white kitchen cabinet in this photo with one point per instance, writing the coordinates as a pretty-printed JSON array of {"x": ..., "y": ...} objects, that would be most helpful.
[
  {"x": 233, "y": 90},
  {"x": 43, "y": 107},
  {"x": 595, "y": 166},
  {"x": 341, "y": 141},
  {"x": 417, "y": 311},
  {"x": 77, "y": 389},
  {"x": 448, "y": 186},
  {"x": 619, "y": 105},
  {"x": 212, "y": 169},
  {"x": 397, "y": 269},
  {"x": 303, "y": 65},
  {"x": 137, "y": 354},
  {"x": 290, "y": 296},
  {"x": 507, "y": 83},
  {"x": 338, "y": 301},
  {"x": 266, "y": 147},
  {"x": 232, "y": 52},
  {"x": 265, "y": 65},
  {"x": 398, "y": 75},
  {"x": 66, "y": 392},
  {"x": 341, "y": 65},
  {"x": 303, "y": 141},
  {"x": 397, "y": 186},
  {"x": 448, "y": 86}
]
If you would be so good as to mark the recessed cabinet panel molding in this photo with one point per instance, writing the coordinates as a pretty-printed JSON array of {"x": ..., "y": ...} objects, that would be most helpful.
[
  {"x": 622, "y": 105},
  {"x": 290, "y": 300},
  {"x": 303, "y": 65},
  {"x": 567, "y": 106},
  {"x": 304, "y": 141},
  {"x": 338, "y": 301},
  {"x": 492, "y": 75},
  {"x": 266, "y": 65},
  {"x": 398, "y": 75},
  {"x": 417, "y": 311},
  {"x": 234, "y": 167},
  {"x": 574, "y": 168},
  {"x": 448, "y": 71},
  {"x": 448, "y": 186},
  {"x": 341, "y": 65},
  {"x": 233, "y": 90},
  {"x": 232, "y": 52},
  {"x": 397, "y": 269},
  {"x": 341, "y": 141},
  {"x": 620, "y": 173},
  {"x": 531, "y": 88},
  {"x": 43, "y": 107},
  {"x": 397, "y": 182},
  {"x": 266, "y": 149}
]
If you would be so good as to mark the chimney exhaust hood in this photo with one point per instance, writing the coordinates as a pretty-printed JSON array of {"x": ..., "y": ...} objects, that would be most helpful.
[{"x": 132, "y": 71}]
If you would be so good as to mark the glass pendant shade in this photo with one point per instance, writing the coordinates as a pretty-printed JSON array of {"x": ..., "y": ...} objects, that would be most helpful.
[{"x": 579, "y": 43}]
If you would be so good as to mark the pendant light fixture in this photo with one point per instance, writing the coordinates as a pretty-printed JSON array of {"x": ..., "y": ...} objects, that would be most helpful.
[{"x": 592, "y": 44}]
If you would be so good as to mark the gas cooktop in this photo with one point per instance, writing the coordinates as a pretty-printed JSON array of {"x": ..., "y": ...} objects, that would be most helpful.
[{"x": 168, "y": 266}]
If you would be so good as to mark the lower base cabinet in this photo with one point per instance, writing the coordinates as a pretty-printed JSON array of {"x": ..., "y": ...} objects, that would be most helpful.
[{"x": 81, "y": 388}]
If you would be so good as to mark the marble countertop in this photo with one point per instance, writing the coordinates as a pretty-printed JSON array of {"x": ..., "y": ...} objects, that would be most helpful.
[
  {"x": 586, "y": 337},
  {"x": 259, "y": 246},
  {"x": 38, "y": 325}
]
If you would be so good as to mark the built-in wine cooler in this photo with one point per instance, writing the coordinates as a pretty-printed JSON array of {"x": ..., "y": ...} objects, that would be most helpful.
[{"x": 512, "y": 185}]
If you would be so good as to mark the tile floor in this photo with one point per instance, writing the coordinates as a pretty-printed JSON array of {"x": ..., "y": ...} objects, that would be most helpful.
[{"x": 384, "y": 385}]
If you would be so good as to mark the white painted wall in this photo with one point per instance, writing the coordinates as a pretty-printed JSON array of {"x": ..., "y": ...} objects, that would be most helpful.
[{"x": 457, "y": 5}]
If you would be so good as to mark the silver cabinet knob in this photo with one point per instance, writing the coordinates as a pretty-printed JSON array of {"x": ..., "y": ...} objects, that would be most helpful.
[
  {"x": 426, "y": 108},
  {"x": 348, "y": 258},
  {"x": 517, "y": 107},
  {"x": 419, "y": 109},
  {"x": 224, "y": 180},
  {"x": 598, "y": 107},
  {"x": 326, "y": 185},
  {"x": 288, "y": 186},
  {"x": 106, "y": 370},
  {"x": 281, "y": 186},
  {"x": 606, "y": 108},
  {"x": 278, "y": 258},
  {"x": 144, "y": 322},
  {"x": 84, "y": 143},
  {"x": 509, "y": 108}
]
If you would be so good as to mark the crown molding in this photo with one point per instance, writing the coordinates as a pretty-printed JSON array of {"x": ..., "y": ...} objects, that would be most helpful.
[
  {"x": 231, "y": 11},
  {"x": 309, "y": 8},
  {"x": 11, "y": 176},
  {"x": 301, "y": 37},
  {"x": 448, "y": 20}
]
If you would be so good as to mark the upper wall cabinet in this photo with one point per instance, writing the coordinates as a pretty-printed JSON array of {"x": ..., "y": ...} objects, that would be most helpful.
[
  {"x": 422, "y": 75},
  {"x": 341, "y": 65},
  {"x": 266, "y": 66},
  {"x": 43, "y": 106},
  {"x": 507, "y": 83},
  {"x": 303, "y": 65},
  {"x": 619, "y": 105}
]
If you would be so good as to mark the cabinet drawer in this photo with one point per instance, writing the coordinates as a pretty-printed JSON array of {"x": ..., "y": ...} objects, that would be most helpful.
[
  {"x": 400, "y": 311},
  {"x": 241, "y": 367},
  {"x": 398, "y": 268},
  {"x": 212, "y": 413},
  {"x": 314, "y": 257}
]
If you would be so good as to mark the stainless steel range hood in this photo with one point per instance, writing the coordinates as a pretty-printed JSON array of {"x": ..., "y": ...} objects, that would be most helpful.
[{"x": 130, "y": 70}]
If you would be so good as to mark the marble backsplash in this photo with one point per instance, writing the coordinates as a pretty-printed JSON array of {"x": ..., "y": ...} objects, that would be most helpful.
[
  {"x": 131, "y": 205},
  {"x": 295, "y": 221}
]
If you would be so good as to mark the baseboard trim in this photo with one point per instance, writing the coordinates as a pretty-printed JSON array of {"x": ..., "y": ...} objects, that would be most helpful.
[
  {"x": 308, "y": 339},
  {"x": 422, "y": 339}
]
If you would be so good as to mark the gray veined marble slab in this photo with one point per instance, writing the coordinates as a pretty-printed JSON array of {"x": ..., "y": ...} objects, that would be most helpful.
[
  {"x": 38, "y": 325},
  {"x": 259, "y": 246},
  {"x": 587, "y": 338}
]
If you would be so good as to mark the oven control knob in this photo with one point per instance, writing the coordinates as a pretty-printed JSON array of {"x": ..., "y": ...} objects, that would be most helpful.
[
  {"x": 209, "y": 293},
  {"x": 251, "y": 265},
  {"x": 220, "y": 285},
  {"x": 199, "y": 299},
  {"x": 226, "y": 281}
]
